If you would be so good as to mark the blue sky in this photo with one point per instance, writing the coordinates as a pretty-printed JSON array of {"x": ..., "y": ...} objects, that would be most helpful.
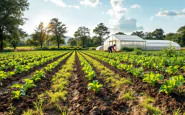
[{"x": 119, "y": 15}]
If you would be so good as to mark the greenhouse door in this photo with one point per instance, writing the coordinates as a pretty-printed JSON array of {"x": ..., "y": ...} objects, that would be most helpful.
[{"x": 112, "y": 42}]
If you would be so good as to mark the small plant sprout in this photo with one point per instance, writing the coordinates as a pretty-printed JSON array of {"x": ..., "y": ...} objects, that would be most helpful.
[
  {"x": 95, "y": 86},
  {"x": 22, "y": 88},
  {"x": 90, "y": 75}
]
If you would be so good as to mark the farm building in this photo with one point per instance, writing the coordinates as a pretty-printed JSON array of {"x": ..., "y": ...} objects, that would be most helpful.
[{"x": 132, "y": 41}]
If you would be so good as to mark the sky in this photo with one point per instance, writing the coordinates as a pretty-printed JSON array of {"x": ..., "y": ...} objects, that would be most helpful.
[{"x": 118, "y": 15}]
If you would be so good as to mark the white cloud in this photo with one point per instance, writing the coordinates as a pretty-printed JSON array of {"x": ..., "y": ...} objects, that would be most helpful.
[
  {"x": 91, "y": 3},
  {"x": 171, "y": 13},
  {"x": 126, "y": 25},
  {"x": 62, "y": 4},
  {"x": 135, "y": 6},
  {"x": 118, "y": 22},
  {"x": 116, "y": 12}
]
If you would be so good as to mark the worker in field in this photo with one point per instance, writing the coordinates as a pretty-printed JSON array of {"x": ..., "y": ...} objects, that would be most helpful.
[{"x": 112, "y": 47}]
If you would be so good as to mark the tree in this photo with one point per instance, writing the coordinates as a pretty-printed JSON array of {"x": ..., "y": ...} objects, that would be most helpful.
[
  {"x": 89, "y": 42},
  {"x": 11, "y": 16},
  {"x": 58, "y": 29},
  {"x": 139, "y": 34},
  {"x": 95, "y": 40},
  {"x": 15, "y": 38},
  {"x": 158, "y": 34},
  {"x": 181, "y": 34},
  {"x": 72, "y": 42},
  {"x": 120, "y": 33},
  {"x": 31, "y": 42},
  {"x": 147, "y": 35},
  {"x": 101, "y": 30},
  {"x": 169, "y": 36},
  {"x": 40, "y": 34},
  {"x": 82, "y": 34}
]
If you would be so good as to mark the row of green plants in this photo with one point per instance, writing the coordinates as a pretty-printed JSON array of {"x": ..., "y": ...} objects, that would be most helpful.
[
  {"x": 123, "y": 86},
  {"x": 21, "y": 89},
  {"x": 111, "y": 79},
  {"x": 58, "y": 92},
  {"x": 151, "y": 77},
  {"x": 23, "y": 68},
  {"x": 167, "y": 65},
  {"x": 25, "y": 59},
  {"x": 158, "y": 67},
  {"x": 20, "y": 56},
  {"x": 89, "y": 74}
]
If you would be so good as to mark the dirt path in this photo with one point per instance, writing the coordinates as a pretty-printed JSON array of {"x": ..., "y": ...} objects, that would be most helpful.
[{"x": 83, "y": 101}]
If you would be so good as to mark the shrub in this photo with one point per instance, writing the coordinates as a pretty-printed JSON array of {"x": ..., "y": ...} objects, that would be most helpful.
[
  {"x": 62, "y": 48},
  {"x": 92, "y": 48},
  {"x": 170, "y": 51},
  {"x": 137, "y": 51},
  {"x": 126, "y": 49}
]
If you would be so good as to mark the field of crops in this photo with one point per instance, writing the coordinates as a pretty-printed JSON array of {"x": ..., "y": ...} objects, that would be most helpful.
[{"x": 91, "y": 82}]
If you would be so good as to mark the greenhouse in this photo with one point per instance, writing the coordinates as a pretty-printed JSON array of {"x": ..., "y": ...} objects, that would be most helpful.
[
  {"x": 131, "y": 41},
  {"x": 160, "y": 44}
]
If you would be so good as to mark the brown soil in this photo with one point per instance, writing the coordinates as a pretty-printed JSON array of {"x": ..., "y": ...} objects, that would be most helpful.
[{"x": 86, "y": 102}]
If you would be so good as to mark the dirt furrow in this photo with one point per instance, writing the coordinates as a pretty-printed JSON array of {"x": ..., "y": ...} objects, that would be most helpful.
[{"x": 83, "y": 101}]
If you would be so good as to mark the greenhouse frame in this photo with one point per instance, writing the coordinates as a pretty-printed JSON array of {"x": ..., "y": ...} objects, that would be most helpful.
[{"x": 132, "y": 41}]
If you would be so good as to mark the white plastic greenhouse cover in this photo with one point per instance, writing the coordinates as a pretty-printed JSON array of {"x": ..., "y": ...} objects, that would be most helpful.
[
  {"x": 99, "y": 48},
  {"x": 128, "y": 38},
  {"x": 160, "y": 44}
]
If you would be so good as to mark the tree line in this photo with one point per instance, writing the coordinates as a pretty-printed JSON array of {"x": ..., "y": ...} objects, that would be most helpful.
[
  {"x": 11, "y": 18},
  {"x": 55, "y": 32}
]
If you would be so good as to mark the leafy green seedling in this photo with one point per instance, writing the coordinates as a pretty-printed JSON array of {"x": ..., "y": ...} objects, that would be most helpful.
[{"x": 95, "y": 86}]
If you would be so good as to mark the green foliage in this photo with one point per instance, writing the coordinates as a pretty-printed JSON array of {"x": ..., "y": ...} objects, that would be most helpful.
[
  {"x": 127, "y": 95},
  {"x": 114, "y": 63},
  {"x": 92, "y": 48},
  {"x": 3, "y": 75},
  {"x": 38, "y": 75},
  {"x": 172, "y": 69},
  {"x": 90, "y": 75},
  {"x": 95, "y": 86},
  {"x": 87, "y": 68},
  {"x": 170, "y": 51},
  {"x": 170, "y": 84},
  {"x": 138, "y": 33},
  {"x": 137, "y": 71},
  {"x": 147, "y": 103},
  {"x": 101, "y": 30},
  {"x": 152, "y": 78},
  {"x": 122, "y": 66},
  {"x": 120, "y": 33},
  {"x": 12, "y": 12},
  {"x": 16, "y": 37},
  {"x": 22, "y": 88},
  {"x": 58, "y": 29},
  {"x": 126, "y": 49},
  {"x": 72, "y": 42},
  {"x": 137, "y": 51},
  {"x": 82, "y": 34},
  {"x": 39, "y": 35},
  {"x": 158, "y": 34}
]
